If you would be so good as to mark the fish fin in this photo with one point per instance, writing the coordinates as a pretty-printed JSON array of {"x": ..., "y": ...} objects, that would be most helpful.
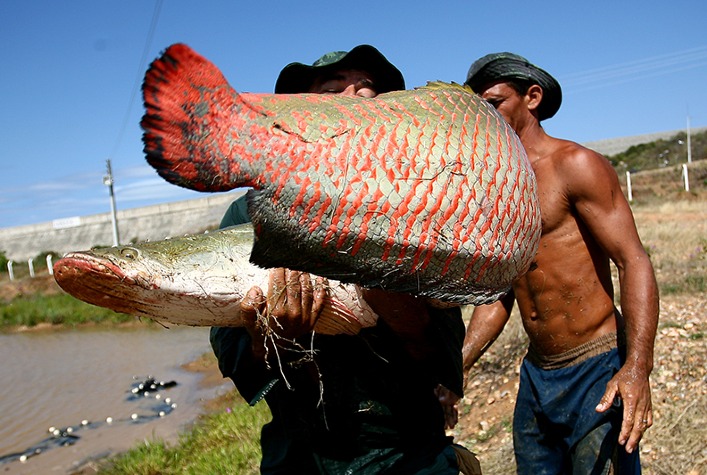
[
  {"x": 445, "y": 85},
  {"x": 336, "y": 319},
  {"x": 191, "y": 117}
]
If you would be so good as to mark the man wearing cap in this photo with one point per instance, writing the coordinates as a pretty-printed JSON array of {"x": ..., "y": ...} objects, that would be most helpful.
[
  {"x": 346, "y": 404},
  {"x": 584, "y": 399}
]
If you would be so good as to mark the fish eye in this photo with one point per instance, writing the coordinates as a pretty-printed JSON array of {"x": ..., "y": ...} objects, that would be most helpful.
[{"x": 129, "y": 253}]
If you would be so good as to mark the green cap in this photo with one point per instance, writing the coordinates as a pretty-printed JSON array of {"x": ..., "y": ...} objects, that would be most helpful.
[
  {"x": 297, "y": 77},
  {"x": 498, "y": 66}
]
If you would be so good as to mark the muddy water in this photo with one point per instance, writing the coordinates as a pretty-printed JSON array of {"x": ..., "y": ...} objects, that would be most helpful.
[{"x": 59, "y": 379}]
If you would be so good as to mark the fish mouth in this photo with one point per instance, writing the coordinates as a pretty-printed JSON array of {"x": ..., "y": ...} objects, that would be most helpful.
[{"x": 95, "y": 281}]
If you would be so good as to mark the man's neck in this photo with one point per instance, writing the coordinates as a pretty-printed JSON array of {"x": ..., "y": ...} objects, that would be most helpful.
[{"x": 533, "y": 137}]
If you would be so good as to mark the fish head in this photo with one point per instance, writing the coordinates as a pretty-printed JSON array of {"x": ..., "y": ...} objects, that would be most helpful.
[{"x": 116, "y": 278}]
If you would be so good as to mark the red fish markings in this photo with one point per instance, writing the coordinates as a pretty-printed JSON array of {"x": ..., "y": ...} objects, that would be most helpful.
[{"x": 426, "y": 191}]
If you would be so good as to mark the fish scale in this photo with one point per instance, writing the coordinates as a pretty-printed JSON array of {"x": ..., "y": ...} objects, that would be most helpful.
[{"x": 427, "y": 191}]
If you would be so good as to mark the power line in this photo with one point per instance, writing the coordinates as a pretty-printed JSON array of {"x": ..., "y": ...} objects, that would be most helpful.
[
  {"x": 636, "y": 69},
  {"x": 140, "y": 74}
]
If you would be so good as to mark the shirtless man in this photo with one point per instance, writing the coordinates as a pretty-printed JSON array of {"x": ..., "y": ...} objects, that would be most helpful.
[{"x": 584, "y": 384}]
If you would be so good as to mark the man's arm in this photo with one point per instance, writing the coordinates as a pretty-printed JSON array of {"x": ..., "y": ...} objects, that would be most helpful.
[
  {"x": 484, "y": 327},
  {"x": 432, "y": 338},
  {"x": 601, "y": 206}
]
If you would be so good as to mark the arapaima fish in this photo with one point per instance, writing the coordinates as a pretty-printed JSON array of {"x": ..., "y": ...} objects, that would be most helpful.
[{"x": 426, "y": 191}]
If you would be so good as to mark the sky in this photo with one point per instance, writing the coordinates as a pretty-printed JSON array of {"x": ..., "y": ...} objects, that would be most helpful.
[{"x": 70, "y": 74}]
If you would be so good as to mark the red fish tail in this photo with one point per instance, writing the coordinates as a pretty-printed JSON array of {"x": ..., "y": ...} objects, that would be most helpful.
[{"x": 192, "y": 121}]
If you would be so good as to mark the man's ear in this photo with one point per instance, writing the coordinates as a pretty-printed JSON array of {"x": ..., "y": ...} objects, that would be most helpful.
[{"x": 534, "y": 96}]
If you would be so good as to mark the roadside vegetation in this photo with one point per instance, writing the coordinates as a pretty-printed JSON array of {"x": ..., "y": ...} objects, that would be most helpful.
[{"x": 58, "y": 309}]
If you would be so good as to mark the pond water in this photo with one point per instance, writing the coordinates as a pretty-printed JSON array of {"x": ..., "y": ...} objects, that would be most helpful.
[{"x": 78, "y": 379}]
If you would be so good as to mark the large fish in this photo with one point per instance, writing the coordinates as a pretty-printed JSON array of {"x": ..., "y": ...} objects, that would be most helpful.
[
  {"x": 427, "y": 191},
  {"x": 196, "y": 280}
]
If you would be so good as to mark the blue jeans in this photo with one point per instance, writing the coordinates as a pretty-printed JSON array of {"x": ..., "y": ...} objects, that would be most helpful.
[{"x": 556, "y": 429}]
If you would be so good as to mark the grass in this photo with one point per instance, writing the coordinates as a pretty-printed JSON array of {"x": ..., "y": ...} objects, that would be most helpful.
[
  {"x": 56, "y": 309},
  {"x": 226, "y": 441},
  {"x": 673, "y": 234}
]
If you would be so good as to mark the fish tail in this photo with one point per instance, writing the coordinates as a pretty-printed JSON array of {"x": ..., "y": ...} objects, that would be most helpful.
[{"x": 191, "y": 123}]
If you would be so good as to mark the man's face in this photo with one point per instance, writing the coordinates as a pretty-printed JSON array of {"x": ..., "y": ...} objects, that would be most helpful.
[
  {"x": 345, "y": 82},
  {"x": 507, "y": 102}
]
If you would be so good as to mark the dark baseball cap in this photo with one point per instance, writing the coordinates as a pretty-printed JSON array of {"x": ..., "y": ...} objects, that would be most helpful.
[
  {"x": 498, "y": 66},
  {"x": 298, "y": 77}
]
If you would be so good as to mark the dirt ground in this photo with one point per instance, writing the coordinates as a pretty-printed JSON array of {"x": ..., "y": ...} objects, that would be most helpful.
[{"x": 43, "y": 283}]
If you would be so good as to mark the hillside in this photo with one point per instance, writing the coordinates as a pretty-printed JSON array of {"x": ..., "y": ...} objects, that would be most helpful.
[
  {"x": 661, "y": 153},
  {"x": 657, "y": 185}
]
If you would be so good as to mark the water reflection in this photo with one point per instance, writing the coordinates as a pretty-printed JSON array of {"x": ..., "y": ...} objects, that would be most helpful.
[{"x": 63, "y": 378}]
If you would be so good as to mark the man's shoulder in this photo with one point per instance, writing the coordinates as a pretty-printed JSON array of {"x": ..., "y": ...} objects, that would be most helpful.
[
  {"x": 569, "y": 149},
  {"x": 579, "y": 172},
  {"x": 567, "y": 155}
]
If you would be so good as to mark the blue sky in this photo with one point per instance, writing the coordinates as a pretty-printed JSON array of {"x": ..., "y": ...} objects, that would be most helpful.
[{"x": 70, "y": 73}]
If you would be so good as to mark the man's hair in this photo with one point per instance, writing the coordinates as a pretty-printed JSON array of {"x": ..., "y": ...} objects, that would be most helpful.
[{"x": 520, "y": 86}]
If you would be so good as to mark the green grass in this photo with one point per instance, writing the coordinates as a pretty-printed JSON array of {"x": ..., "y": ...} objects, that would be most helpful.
[
  {"x": 223, "y": 442},
  {"x": 688, "y": 284},
  {"x": 61, "y": 309}
]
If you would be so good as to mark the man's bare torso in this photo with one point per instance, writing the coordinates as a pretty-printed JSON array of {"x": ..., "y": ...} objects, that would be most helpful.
[{"x": 566, "y": 298}]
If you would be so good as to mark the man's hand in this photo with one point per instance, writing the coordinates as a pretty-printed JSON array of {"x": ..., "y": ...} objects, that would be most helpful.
[
  {"x": 633, "y": 387},
  {"x": 291, "y": 308},
  {"x": 449, "y": 402}
]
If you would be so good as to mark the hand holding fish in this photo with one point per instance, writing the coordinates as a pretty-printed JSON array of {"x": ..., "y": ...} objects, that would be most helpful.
[
  {"x": 291, "y": 309},
  {"x": 197, "y": 280}
]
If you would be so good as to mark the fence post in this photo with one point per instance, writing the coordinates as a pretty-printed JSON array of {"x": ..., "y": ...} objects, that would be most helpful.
[
  {"x": 628, "y": 186},
  {"x": 10, "y": 271},
  {"x": 686, "y": 177},
  {"x": 30, "y": 264},
  {"x": 50, "y": 268}
]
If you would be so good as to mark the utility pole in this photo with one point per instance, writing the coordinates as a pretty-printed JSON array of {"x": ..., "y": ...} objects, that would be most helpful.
[
  {"x": 689, "y": 149},
  {"x": 108, "y": 181}
]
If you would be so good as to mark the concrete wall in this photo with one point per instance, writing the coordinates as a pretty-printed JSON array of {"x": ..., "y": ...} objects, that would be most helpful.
[{"x": 138, "y": 224}]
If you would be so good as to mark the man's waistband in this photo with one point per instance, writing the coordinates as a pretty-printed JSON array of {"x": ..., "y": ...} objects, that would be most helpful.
[{"x": 574, "y": 356}]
